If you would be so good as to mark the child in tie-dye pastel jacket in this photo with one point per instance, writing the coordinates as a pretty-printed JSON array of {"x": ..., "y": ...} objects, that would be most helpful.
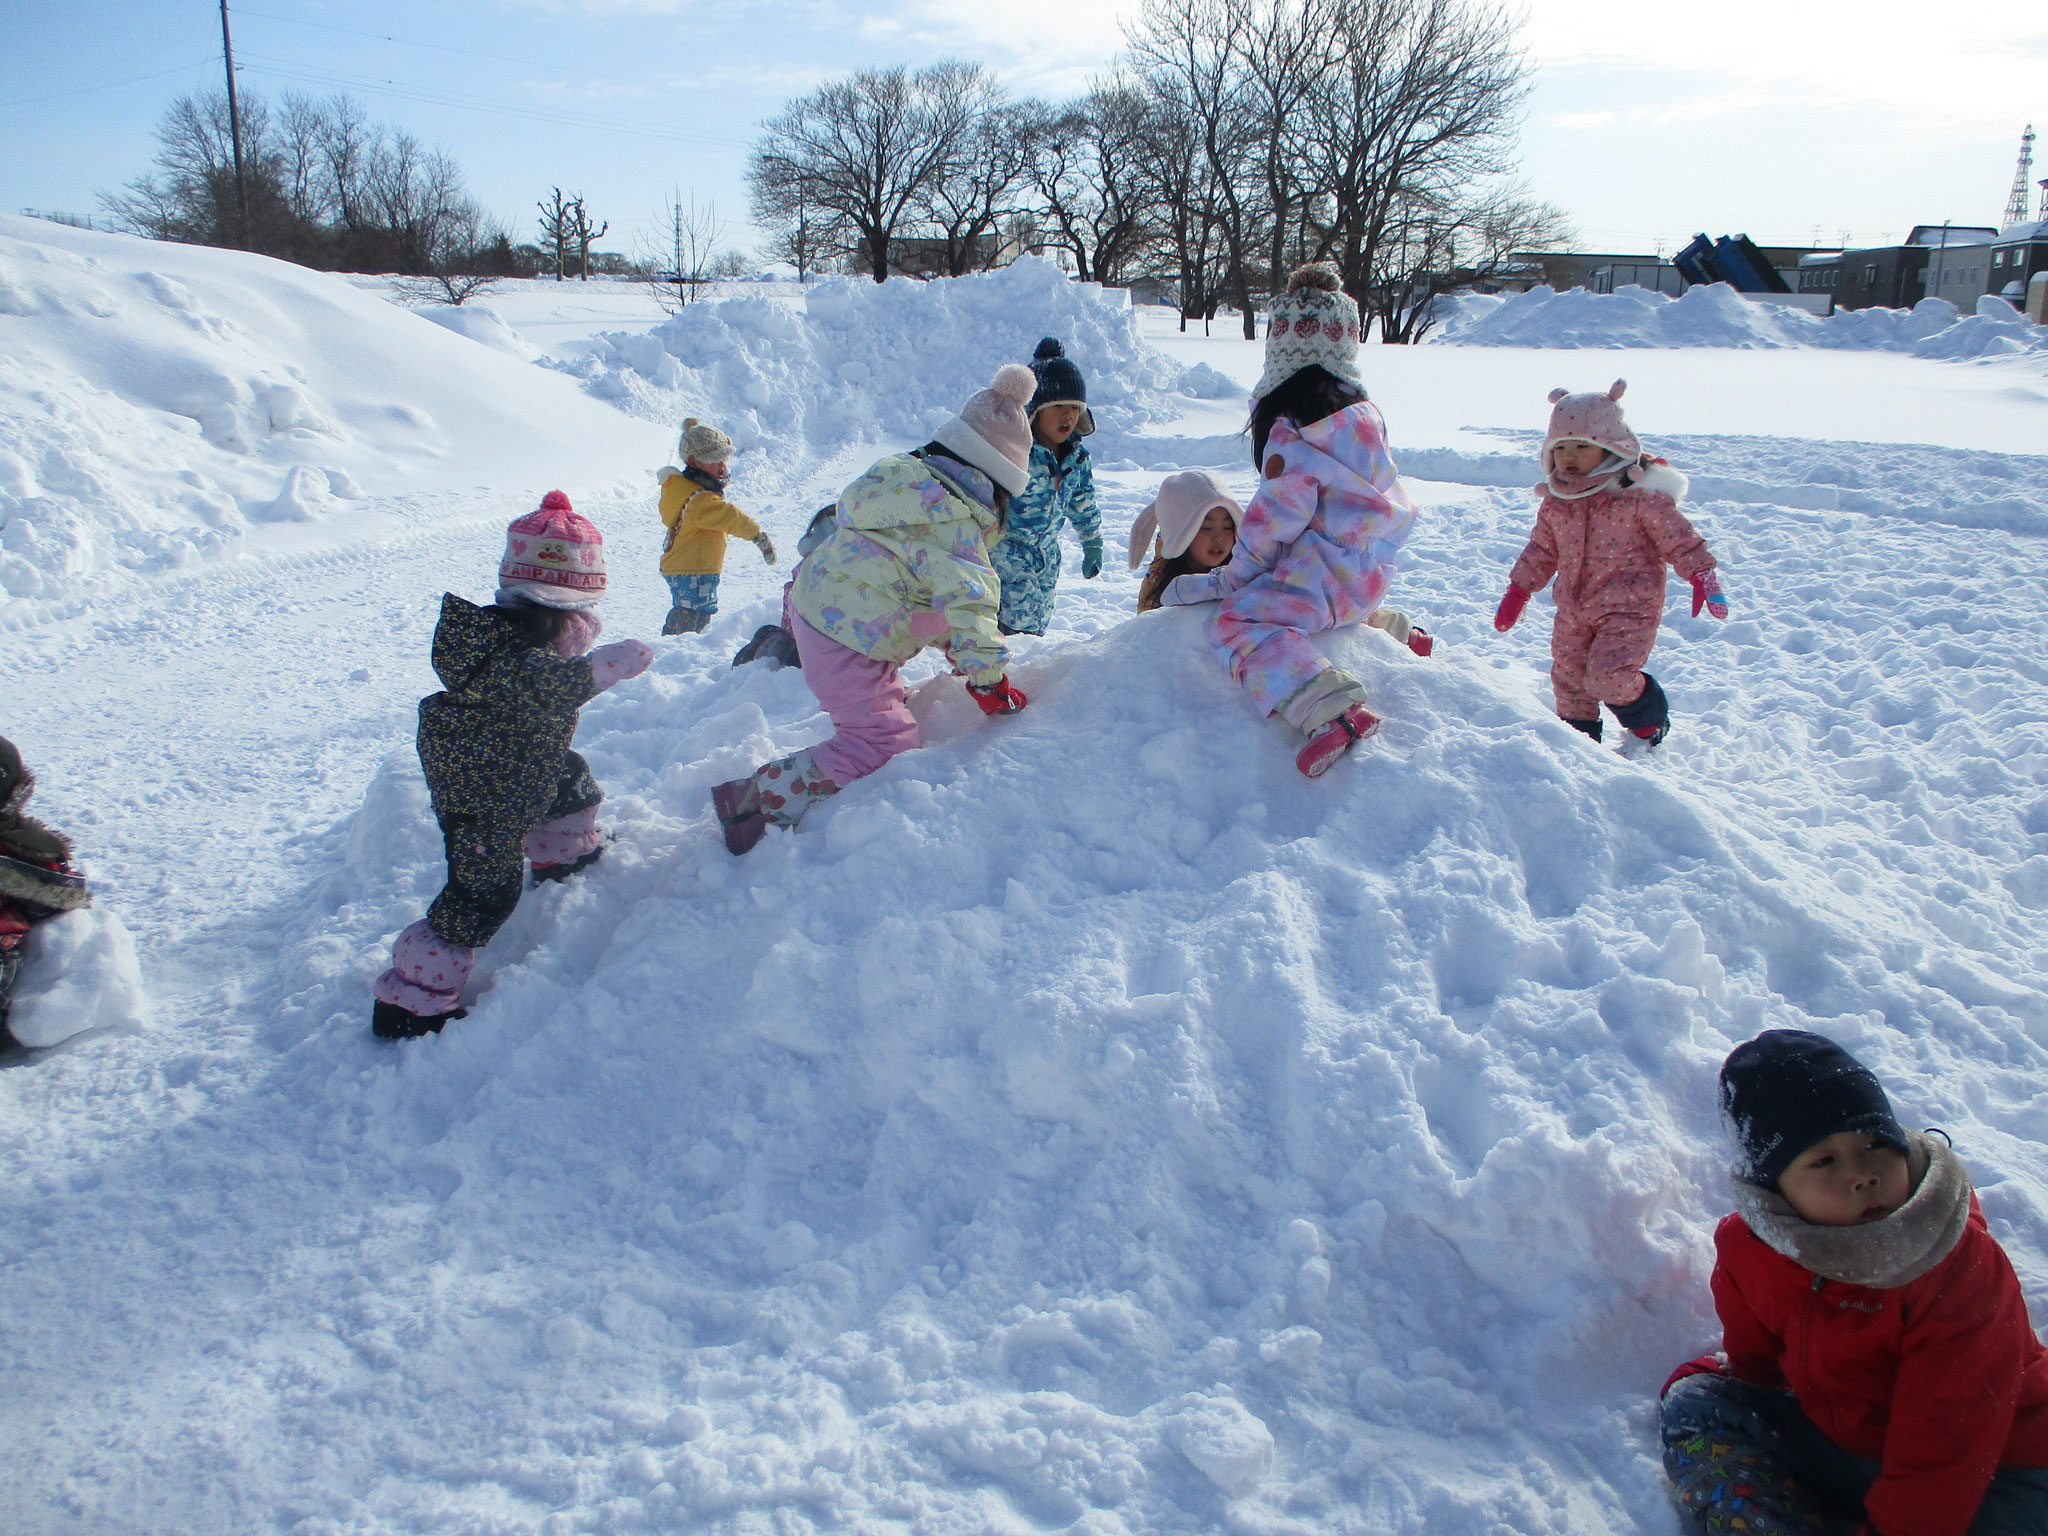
[{"x": 1317, "y": 544}]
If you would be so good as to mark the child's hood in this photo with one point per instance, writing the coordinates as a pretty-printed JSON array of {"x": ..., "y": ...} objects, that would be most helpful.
[
  {"x": 1349, "y": 448},
  {"x": 902, "y": 491},
  {"x": 1880, "y": 1254},
  {"x": 465, "y": 639}
]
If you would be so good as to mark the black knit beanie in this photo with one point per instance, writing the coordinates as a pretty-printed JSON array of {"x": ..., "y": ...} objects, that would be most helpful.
[
  {"x": 1059, "y": 383},
  {"x": 1787, "y": 1089}
]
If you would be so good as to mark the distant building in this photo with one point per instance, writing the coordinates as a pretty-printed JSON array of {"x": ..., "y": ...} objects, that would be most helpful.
[
  {"x": 1953, "y": 264},
  {"x": 2016, "y": 255},
  {"x": 1569, "y": 269}
]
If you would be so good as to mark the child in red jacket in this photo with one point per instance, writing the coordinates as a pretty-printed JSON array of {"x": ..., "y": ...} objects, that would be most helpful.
[
  {"x": 1607, "y": 527},
  {"x": 1878, "y": 1363}
]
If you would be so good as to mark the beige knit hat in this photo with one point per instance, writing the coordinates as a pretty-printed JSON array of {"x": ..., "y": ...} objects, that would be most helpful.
[
  {"x": 1314, "y": 322},
  {"x": 992, "y": 432},
  {"x": 705, "y": 444},
  {"x": 1176, "y": 513}
]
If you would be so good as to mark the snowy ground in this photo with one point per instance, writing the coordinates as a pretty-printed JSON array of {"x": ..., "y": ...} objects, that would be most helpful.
[{"x": 1085, "y": 1124}]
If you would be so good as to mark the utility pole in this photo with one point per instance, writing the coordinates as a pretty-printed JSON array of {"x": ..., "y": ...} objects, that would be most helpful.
[
  {"x": 227, "y": 48},
  {"x": 1940, "y": 259}
]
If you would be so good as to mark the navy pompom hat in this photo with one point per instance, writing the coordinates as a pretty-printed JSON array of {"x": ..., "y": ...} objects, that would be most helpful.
[
  {"x": 1787, "y": 1089},
  {"x": 1059, "y": 383}
]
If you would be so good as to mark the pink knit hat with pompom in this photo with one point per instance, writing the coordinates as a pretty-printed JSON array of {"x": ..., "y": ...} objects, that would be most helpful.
[
  {"x": 553, "y": 556},
  {"x": 992, "y": 432}
]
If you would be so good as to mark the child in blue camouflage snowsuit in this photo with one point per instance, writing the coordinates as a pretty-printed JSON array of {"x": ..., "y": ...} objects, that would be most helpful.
[{"x": 1062, "y": 486}]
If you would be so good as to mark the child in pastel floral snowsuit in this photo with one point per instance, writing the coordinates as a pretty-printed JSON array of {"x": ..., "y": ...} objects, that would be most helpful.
[
  {"x": 1316, "y": 546},
  {"x": 1608, "y": 525},
  {"x": 904, "y": 566}
]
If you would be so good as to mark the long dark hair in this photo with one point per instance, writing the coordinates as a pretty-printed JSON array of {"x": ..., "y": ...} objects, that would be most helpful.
[{"x": 1306, "y": 395}]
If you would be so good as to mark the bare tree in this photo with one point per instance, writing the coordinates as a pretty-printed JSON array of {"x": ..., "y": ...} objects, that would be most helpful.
[
  {"x": 1437, "y": 244},
  {"x": 1088, "y": 168},
  {"x": 862, "y": 149},
  {"x": 584, "y": 236},
  {"x": 682, "y": 254},
  {"x": 976, "y": 186},
  {"x": 557, "y": 229},
  {"x": 1180, "y": 182}
]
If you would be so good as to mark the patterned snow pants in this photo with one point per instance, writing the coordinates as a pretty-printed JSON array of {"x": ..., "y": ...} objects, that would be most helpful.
[
  {"x": 1598, "y": 660},
  {"x": 1745, "y": 1459}
]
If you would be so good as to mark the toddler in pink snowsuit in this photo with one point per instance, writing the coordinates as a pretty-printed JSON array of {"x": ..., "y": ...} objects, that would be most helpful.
[
  {"x": 1608, "y": 525},
  {"x": 1317, "y": 542}
]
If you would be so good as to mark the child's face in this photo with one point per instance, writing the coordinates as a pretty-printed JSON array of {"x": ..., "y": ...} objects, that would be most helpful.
[
  {"x": 1845, "y": 1180},
  {"x": 1576, "y": 458},
  {"x": 715, "y": 471},
  {"x": 1214, "y": 540},
  {"x": 1055, "y": 424}
]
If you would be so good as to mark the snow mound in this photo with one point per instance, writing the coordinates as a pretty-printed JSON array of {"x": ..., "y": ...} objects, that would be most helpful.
[
  {"x": 865, "y": 361},
  {"x": 479, "y": 322},
  {"x": 80, "y": 975},
  {"x": 159, "y": 401},
  {"x": 1150, "y": 1128},
  {"x": 1715, "y": 315}
]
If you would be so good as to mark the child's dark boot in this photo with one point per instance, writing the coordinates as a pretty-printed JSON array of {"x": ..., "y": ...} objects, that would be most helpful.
[
  {"x": 1592, "y": 727},
  {"x": 685, "y": 621},
  {"x": 1648, "y": 719}
]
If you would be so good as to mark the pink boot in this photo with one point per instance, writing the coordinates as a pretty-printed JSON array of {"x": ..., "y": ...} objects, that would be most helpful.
[
  {"x": 1332, "y": 741},
  {"x": 421, "y": 991}
]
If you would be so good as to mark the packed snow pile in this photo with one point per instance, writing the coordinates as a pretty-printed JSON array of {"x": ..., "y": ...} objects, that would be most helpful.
[
  {"x": 866, "y": 361},
  {"x": 159, "y": 402},
  {"x": 80, "y": 975},
  {"x": 1717, "y": 316}
]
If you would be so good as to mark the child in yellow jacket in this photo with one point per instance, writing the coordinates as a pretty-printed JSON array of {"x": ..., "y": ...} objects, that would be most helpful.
[{"x": 699, "y": 520}]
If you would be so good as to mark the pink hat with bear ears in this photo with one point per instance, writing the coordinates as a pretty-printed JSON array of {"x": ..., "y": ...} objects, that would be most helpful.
[{"x": 1591, "y": 418}]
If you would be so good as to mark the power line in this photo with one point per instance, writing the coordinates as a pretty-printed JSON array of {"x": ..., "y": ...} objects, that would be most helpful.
[
  {"x": 286, "y": 69},
  {"x": 413, "y": 42},
  {"x": 111, "y": 85}
]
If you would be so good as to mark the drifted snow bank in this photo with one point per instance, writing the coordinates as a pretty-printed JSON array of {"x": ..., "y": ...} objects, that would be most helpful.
[
  {"x": 865, "y": 361},
  {"x": 1717, "y": 316},
  {"x": 159, "y": 402}
]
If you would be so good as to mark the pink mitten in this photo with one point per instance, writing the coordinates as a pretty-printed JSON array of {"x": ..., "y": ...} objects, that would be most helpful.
[
  {"x": 580, "y": 630},
  {"x": 620, "y": 660},
  {"x": 1707, "y": 593}
]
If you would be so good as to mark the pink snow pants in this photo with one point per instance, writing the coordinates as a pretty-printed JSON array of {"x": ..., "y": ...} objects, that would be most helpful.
[
  {"x": 1598, "y": 660},
  {"x": 866, "y": 700}
]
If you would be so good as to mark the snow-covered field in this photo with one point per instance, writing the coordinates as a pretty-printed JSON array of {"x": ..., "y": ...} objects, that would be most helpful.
[{"x": 1083, "y": 1125}]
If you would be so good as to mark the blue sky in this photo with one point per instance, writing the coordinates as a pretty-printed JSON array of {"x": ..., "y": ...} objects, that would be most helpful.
[{"x": 1779, "y": 119}]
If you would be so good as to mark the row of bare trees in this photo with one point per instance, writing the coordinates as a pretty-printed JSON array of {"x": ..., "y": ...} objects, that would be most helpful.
[
  {"x": 325, "y": 186},
  {"x": 1233, "y": 140}
]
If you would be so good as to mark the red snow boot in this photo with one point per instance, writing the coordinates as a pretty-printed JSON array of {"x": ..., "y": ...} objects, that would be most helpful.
[{"x": 1332, "y": 741}]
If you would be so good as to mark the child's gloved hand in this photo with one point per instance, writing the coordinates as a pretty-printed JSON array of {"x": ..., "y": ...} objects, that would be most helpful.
[
  {"x": 620, "y": 660},
  {"x": 1707, "y": 594},
  {"x": 1091, "y": 558},
  {"x": 1512, "y": 602},
  {"x": 766, "y": 545},
  {"x": 1001, "y": 697}
]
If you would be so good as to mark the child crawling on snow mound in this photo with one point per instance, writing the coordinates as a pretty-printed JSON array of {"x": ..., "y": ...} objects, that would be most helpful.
[
  {"x": 1878, "y": 1366},
  {"x": 1608, "y": 525},
  {"x": 1316, "y": 546},
  {"x": 1191, "y": 526},
  {"x": 904, "y": 566},
  {"x": 495, "y": 748},
  {"x": 37, "y": 878}
]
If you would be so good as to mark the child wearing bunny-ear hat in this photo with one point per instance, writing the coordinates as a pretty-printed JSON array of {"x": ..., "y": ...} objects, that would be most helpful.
[{"x": 1607, "y": 527}]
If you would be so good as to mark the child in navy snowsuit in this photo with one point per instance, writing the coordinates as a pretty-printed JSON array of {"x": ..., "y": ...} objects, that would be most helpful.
[
  {"x": 494, "y": 745},
  {"x": 1878, "y": 1365},
  {"x": 1062, "y": 486}
]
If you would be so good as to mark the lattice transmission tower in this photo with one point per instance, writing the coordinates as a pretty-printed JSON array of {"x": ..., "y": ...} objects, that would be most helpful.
[{"x": 2016, "y": 205}]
